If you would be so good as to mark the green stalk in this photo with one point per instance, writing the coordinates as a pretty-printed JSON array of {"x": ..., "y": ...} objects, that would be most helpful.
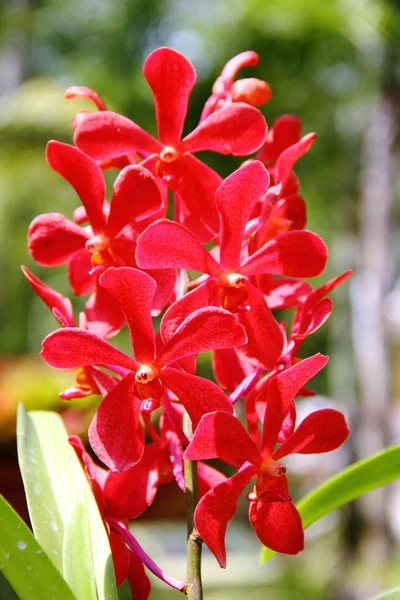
[{"x": 194, "y": 589}]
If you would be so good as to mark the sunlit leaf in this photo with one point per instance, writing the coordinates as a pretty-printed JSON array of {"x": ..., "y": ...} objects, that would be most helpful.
[
  {"x": 78, "y": 554},
  {"x": 24, "y": 564},
  {"x": 353, "y": 482},
  {"x": 58, "y": 496},
  {"x": 393, "y": 594}
]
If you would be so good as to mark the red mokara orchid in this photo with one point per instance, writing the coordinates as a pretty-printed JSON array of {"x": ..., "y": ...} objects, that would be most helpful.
[
  {"x": 89, "y": 380},
  {"x": 237, "y": 129},
  {"x": 273, "y": 516},
  {"x": 165, "y": 244},
  {"x": 54, "y": 240},
  {"x": 116, "y": 434}
]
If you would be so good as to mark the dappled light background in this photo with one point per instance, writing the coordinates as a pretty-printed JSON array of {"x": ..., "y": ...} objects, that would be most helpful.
[{"x": 336, "y": 65}]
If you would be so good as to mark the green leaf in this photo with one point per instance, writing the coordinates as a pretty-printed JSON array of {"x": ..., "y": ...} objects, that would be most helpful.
[
  {"x": 24, "y": 564},
  {"x": 78, "y": 554},
  {"x": 393, "y": 594},
  {"x": 59, "y": 497},
  {"x": 355, "y": 481}
]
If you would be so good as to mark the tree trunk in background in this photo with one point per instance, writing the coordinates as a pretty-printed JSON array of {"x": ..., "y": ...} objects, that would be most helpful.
[{"x": 374, "y": 279}]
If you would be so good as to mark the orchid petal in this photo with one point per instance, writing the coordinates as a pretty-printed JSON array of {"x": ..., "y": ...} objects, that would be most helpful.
[
  {"x": 128, "y": 494},
  {"x": 322, "y": 431},
  {"x": 208, "y": 478},
  {"x": 198, "y": 395},
  {"x": 289, "y": 423},
  {"x": 202, "y": 296},
  {"x": 116, "y": 434},
  {"x": 278, "y": 526},
  {"x": 236, "y": 198},
  {"x": 316, "y": 317},
  {"x": 237, "y": 129},
  {"x": 229, "y": 370},
  {"x": 92, "y": 471},
  {"x": 165, "y": 280},
  {"x": 103, "y": 380},
  {"x": 221, "y": 435},
  {"x": 325, "y": 289},
  {"x": 294, "y": 253},
  {"x": 265, "y": 336},
  {"x": 196, "y": 185},
  {"x": 50, "y": 297},
  {"x": 80, "y": 91},
  {"x": 104, "y": 135},
  {"x": 71, "y": 348},
  {"x": 238, "y": 62},
  {"x": 135, "y": 196},
  {"x": 134, "y": 291},
  {"x": 205, "y": 329},
  {"x": 81, "y": 275},
  {"x": 281, "y": 390},
  {"x": 287, "y": 159},
  {"x": 103, "y": 315},
  {"x": 284, "y": 132},
  {"x": 217, "y": 508},
  {"x": 138, "y": 580},
  {"x": 53, "y": 239},
  {"x": 85, "y": 176},
  {"x": 166, "y": 244},
  {"x": 283, "y": 292},
  {"x": 121, "y": 557},
  {"x": 171, "y": 77}
]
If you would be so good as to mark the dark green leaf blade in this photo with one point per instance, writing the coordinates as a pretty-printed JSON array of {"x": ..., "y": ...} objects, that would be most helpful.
[{"x": 23, "y": 562}]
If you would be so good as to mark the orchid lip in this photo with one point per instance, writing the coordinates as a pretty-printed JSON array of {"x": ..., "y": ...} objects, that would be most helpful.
[{"x": 97, "y": 244}]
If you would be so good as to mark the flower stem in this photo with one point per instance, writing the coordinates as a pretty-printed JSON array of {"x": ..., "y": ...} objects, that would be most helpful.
[
  {"x": 148, "y": 562},
  {"x": 194, "y": 542}
]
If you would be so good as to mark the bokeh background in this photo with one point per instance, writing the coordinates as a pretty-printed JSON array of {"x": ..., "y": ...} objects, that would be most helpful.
[{"x": 336, "y": 65}]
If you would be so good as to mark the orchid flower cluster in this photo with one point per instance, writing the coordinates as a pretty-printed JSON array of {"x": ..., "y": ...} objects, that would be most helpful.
[{"x": 245, "y": 239}]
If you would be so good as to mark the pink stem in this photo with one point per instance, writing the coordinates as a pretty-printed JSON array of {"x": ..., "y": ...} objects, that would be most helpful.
[
  {"x": 144, "y": 557},
  {"x": 246, "y": 385}
]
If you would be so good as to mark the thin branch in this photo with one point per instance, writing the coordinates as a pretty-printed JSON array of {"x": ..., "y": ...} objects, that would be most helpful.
[{"x": 194, "y": 542}]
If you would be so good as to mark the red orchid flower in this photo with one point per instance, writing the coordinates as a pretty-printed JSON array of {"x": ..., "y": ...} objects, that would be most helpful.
[
  {"x": 54, "y": 240},
  {"x": 116, "y": 434},
  {"x": 283, "y": 208},
  {"x": 273, "y": 516},
  {"x": 226, "y": 90},
  {"x": 296, "y": 253},
  {"x": 89, "y": 379},
  {"x": 236, "y": 129},
  {"x": 312, "y": 311}
]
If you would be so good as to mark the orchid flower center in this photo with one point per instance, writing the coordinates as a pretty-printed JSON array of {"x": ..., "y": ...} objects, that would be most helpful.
[
  {"x": 269, "y": 466},
  {"x": 85, "y": 381},
  {"x": 169, "y": 154},
  {"x": 98, "y": 248},
  {"x": 235, "y": 280},
  {"x": 145, "y": 374}
]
